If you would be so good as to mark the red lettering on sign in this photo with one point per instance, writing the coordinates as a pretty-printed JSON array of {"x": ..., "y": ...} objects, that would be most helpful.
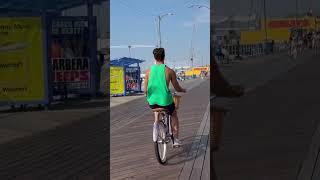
[
  {"x": 200, "y": 69},
  {"x": 71, "y": 76},
  {"x": 66, "y": 76},
  {"x": 288, "y": 23},
  {"x": 75, "y": 75},
  {"x": 84, "y": 76},
  {"x": 59, "y": 76}
]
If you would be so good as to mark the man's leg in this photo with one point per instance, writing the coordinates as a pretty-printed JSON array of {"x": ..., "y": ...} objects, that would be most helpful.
[
  {"x": 155, "y": 127},
  {"x": 175, "y": 124},
  {"x": 155, "y": 124}
]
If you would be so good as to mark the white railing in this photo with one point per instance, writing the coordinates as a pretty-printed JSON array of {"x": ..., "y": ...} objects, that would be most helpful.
[{"x": 231, "y": 52}]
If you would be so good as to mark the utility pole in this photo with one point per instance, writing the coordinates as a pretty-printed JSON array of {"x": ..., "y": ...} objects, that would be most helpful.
[
  {"x": 202, "y": 61},
  {"x": 159, "y": 18},
  {"x": 265, "y": 25},
  {"x": 192, "y": 48},
  {"x": 129, "y": 50},
  {"x": 296, "y": 24},
  {"x": 311, "y": 8},
  {"x": 159, "y": 30},
  {"x": 265, "y": 20}
]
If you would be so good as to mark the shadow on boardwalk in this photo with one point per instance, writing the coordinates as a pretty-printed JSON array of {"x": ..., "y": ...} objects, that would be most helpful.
[{"x": 186, "y": 154}]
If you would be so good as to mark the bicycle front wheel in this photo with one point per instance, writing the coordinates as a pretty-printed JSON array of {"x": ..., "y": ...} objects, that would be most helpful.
[{"x": 160, "y": 145}]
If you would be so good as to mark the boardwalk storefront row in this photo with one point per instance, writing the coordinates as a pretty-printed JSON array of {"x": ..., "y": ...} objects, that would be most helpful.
[{"x": 45, "y": 54}]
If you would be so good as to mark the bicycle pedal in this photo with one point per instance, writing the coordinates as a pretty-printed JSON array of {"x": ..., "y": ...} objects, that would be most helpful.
[{"x": 176, "y": 146}]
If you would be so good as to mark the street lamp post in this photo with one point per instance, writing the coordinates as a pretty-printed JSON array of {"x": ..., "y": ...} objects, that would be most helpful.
[
  {"x": 265, "y": 27},
  {"x": 296, "y": 24},
  {"x": 265, "y": 20},
  {"x": 160, "y": 17},
  {"x": 199, "y": 6},
  {"x": 192, "y": 48}
]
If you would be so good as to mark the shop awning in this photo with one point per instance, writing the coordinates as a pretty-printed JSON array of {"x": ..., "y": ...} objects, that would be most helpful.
[{"x": 125, "y": 61}]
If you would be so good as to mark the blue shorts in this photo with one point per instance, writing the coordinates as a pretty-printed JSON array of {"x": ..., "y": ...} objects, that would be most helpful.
[{"x": 170, "y": 108}]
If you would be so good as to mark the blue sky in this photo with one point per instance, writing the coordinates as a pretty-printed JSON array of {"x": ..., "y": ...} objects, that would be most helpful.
[{"x": 133, "y": 22}]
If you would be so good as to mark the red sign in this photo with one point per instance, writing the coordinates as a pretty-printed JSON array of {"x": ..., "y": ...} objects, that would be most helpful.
[
  {"x": 201, "y": 69},
  {"x": 71, "y": 76},
  {"x": 288, "y": 23},
  {"x": 74, "y": 72}
]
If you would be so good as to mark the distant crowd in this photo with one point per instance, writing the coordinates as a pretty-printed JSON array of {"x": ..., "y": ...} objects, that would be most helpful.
[{"x": 299, "y": 42}]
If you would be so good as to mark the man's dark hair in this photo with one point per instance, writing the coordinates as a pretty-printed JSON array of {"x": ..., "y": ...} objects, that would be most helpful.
[{"x": 159, "y": 54}]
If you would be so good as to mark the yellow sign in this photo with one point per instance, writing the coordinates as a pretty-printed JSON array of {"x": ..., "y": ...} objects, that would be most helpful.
[
  {"x": 197, "y": 71},
  {"x": 116, "y": 80},
  {"x": 21, "y": 59},
  {"x": 255, "y": 37},
  {"x": 317, "y": 24},
  {"x": 278, "y": 30}
]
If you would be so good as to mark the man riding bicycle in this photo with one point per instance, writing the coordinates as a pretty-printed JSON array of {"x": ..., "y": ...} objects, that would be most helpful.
[{"x": 156, "y": 88}]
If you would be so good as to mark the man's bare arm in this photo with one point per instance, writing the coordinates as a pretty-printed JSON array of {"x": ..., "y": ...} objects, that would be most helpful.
[
  {"x": 175, "y": 82},
  {"x": 146, "y": 78}
]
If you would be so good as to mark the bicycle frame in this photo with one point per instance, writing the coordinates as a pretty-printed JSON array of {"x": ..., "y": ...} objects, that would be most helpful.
[
  {"x": 165, "y": 137},
  {"x": 167, "y": 122}
]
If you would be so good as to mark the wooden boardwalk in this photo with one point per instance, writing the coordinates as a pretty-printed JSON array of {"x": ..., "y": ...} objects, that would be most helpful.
[
  {"x": 75, "y": 151},
  {"x": 199, "y": 165},
  {"x": 132, "y": 154},
  {"x": 310, "y": 169},
  {"x": 268, "y": 132}
]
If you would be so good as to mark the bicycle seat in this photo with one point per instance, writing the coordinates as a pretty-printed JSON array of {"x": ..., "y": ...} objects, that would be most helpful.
[{"x": 159, "y": 110}]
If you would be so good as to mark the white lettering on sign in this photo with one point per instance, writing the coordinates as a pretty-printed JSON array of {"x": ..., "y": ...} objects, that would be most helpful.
[{"x": 69, "y": 27}]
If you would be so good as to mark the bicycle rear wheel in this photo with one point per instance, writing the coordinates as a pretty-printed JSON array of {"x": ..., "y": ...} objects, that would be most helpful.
[{"x": 160, "y": 145}]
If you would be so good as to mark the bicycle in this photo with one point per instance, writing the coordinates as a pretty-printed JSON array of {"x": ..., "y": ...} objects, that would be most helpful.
[{"x": 163, "y": 132}]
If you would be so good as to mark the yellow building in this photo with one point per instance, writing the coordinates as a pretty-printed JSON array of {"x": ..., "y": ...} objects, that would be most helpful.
[
  {"x": 197, "y": 71},
  {"x": 317, "y": 24},
  {"x": 278, "y": 29}
]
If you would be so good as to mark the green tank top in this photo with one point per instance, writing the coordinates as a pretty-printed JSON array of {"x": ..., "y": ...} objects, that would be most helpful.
[{"x": 158, "y": 91}]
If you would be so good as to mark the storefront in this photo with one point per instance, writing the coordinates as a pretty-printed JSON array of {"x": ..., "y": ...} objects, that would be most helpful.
[
  {"x": 197, "y": 71},
  {"x": 49, "y": 53},
  {"x": 278, "y": 30},
  {"x": 125, "y": 76}
]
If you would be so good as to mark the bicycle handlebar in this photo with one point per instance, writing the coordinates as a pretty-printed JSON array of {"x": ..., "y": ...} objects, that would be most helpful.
[{"x": 177, "y": 93}]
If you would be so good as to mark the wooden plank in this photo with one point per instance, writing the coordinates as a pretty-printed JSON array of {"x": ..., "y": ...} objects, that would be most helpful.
[
  {"x": 206, "y": 166},
  {"x": 200, "y": 157},
  {"x": 132, "y": 154},
  {"x": 308, "y": 165},
  {"x": 72, "y": 149},
  {"x": 187, "y": 169},
  {"x": 188, "y": 166},
  {"x": 316, "y": 173}
]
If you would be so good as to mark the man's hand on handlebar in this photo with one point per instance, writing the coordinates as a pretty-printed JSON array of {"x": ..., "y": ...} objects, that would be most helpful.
[{"x": 179, "y": 93}]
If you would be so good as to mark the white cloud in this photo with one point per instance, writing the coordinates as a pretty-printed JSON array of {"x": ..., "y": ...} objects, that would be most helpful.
[{"x": 202, "y": 18}]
